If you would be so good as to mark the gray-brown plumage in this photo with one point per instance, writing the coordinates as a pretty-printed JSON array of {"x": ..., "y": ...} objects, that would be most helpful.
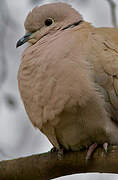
[{"x": 68, "y": 77}]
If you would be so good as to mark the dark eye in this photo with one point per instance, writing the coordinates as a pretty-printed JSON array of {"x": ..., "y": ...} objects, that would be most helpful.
[{"x": 49, "y": 21}]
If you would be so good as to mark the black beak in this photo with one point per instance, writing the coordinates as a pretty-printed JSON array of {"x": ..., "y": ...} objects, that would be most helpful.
[{"x": 24, "y": 39}]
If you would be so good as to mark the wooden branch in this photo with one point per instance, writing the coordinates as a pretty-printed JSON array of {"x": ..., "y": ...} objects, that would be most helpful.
[
  {"x": 47, "y": 166},
  {"x": 113, "y": 12}
]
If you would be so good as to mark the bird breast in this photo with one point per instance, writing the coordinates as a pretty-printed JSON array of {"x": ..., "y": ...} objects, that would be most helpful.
[{"x": 52, "y": 76}]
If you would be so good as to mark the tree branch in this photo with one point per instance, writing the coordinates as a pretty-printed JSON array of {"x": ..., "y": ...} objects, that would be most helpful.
[{"x": 46, "y": 166}]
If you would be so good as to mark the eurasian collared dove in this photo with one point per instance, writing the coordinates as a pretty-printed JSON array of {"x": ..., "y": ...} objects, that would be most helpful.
[{"x": 68, "y": 78}]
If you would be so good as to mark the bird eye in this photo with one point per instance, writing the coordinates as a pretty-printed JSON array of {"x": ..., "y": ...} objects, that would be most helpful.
[{"x": 49, "y": 21}]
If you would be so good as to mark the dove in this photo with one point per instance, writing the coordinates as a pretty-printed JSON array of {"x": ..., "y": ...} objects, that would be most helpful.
[{"x": 68, "y": 78}]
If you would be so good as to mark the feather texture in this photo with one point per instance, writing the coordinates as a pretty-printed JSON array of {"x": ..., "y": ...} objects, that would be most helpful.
[{"x": 68, "y": 79}]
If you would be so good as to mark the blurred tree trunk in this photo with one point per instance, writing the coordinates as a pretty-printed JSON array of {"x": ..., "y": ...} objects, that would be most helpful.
[{"x": 112, "y": 6}]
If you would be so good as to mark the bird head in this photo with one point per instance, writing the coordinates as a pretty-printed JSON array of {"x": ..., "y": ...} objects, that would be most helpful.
[{"x": 48, "y": 19}]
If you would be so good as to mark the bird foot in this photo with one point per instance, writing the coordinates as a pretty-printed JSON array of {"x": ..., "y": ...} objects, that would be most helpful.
[
  {"x": 60, "y": 152},
  {"x": 92, "y": 149},
  {"x": 105, "y": 147}
]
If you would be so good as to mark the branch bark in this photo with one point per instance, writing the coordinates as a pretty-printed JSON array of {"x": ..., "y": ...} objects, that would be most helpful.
[{"x": 47, "y": 166}]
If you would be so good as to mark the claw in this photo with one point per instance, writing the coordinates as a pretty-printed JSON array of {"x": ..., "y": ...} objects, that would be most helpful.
[
  {"x": 60, "y": 154},
  {"x": 105, "y": 146},
  {"x": 90, "y": 151}
]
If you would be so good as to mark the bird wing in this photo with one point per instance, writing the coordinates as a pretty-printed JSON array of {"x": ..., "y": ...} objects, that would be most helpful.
[{"x": 104, "y": 57}]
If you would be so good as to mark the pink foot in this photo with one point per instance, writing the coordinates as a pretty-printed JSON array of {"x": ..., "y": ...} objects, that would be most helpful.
[{"x": 90, "y": 151}]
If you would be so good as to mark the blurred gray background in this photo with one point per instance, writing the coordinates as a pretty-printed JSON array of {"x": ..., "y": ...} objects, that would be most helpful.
[{"x": 17, "y": 135}]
